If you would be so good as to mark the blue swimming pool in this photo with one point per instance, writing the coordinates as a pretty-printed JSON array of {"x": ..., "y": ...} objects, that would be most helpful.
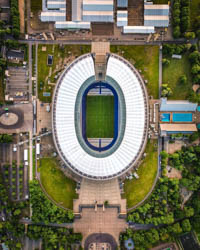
[
  {"x": 165, "y": 117},
  {"x": 182, "y": 117},
  {"x": 198, "y": 108}
]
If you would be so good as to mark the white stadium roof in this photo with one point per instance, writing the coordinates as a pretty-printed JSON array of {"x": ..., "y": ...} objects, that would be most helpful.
[{"x": 64, "y": 132}]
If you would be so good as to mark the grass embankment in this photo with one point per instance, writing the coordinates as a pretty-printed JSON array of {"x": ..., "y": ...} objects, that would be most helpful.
[
  {"x": 100, "y": 117},
  {"x": 59, "y": 187},
  {"x": 136, "y": 190},
  {"x": 171, "y": 76},
  {"x": 59, "y": 54},
  {"x": 144, "y": 58}
]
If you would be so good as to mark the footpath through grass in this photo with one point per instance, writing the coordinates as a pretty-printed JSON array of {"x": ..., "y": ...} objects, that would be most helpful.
[
  {"x": 59, "y": 187},
  {"x": 171, "y": 76},
  {"x": 100, "y": 117},
  {"x": 48, "y": 72},
  {"x": 136, "y": 190},
  {"x": 144, "y": 58}
]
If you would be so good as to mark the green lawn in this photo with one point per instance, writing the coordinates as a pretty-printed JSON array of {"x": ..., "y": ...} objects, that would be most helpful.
[
  {"x": 100, "y": 117},
  {"x": 194, "y": 12},
  {"x": 59, "y": 54},
  {"x": 144, "y": 58},
  {"x": 172, "y": 73},
  {"x": 136, "y": 190},
  {"x": 59, "y": 187}
]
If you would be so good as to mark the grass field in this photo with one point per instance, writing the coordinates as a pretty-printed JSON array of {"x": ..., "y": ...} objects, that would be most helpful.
[
  {"x": 46, "y": 72},
  {"x": 171, "y": 75},
  {"x": 194, "y": 12},
  {"x": 136, "y": 190},
  {"x": 100, "y": 117},
  {"x": 60, "y": 188},
  {"x": 144, "y": 58}
]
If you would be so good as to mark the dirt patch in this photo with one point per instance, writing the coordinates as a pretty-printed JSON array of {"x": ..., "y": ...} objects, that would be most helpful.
[
  {"x": 21, "y": 13},
  {"x": 173, "y": 147},
  {"x": 102, "y": 29},
  {"x": 173, "y": 173}
]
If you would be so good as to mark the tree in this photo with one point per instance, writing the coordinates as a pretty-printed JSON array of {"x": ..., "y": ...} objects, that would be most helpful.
[
  {"x": 166, "y": 91},
  {"x": 189, "y": 35},
  {"x": 194, "y": 57},
  {"x": 165, "y": 62},
  {"x": 183, "y": 79},
  {"x": 193, "y": 137},
  {"x": 176, "y": 32},
  {"x": 186, "y": 226},
  {"x": 189, "y": 211},
  {"x": 195, "y": 69}
]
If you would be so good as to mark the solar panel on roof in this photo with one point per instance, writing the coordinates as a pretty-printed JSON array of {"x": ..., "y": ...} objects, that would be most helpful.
[{"x": 122, "y": 3}]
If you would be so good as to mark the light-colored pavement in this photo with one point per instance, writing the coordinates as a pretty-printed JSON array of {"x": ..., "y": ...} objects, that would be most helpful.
[
  {"x": 100, "y": 222},
  {"x": 92, "y": 192}
]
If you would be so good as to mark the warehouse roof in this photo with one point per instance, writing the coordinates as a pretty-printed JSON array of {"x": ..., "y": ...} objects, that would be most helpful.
[{"x": 177, "y": 105}]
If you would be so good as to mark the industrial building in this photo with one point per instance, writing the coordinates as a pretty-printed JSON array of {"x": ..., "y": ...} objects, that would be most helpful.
[{"x": 85, "y": 12}]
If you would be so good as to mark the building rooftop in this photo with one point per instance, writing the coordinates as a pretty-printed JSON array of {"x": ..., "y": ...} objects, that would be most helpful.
[
  {"x": 180, "y": 105},
  {"x": 178, "y": 127}
]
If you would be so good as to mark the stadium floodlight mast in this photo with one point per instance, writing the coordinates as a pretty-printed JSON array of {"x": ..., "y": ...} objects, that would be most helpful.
[{"x": 69, "y": 144}]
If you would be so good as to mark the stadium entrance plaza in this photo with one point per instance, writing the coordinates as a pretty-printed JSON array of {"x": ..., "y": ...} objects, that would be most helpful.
[{"x": 95, "y": 216}]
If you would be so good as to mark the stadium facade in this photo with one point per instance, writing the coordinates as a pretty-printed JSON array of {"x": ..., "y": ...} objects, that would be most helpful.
[{"x": 122, "y": 152}]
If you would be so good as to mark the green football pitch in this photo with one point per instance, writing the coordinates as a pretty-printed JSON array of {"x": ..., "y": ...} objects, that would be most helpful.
[{"x": 100, "y": 117}]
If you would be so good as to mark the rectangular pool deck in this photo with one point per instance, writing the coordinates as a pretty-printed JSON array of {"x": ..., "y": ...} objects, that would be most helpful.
[
  {"x": 177, "y": 117},
  {"x": 182, "y": 117}
]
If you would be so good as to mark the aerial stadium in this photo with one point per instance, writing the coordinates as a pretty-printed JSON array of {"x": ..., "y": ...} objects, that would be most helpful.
[{"x": 100, "y": 123}]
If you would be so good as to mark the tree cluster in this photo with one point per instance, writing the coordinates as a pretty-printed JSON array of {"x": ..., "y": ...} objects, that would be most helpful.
[
  {"x": 11, "y": 231},
  {"x": 43, "y": 210},
  {"x": 181, "y": 17},
  {"x": 170, "y": 49},
  {"x": 5, "y": 138},
  {"x": 194, "y": 58},
  {"x": 52, "y": 237},
  {"x": 163, "y": 211},
  {"x": 147, "y": 239},
  {"x": 15, "y": 19},
  {"x": 166, "y": 90}
]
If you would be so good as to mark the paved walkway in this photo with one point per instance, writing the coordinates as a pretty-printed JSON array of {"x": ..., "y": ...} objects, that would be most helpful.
[
  {"x": 100, "y": 222},
  {"x": 99, "y": 191}
]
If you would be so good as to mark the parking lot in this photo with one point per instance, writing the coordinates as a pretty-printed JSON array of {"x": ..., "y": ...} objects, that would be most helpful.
[
  {"x": 43, "y": 117},
  {"x": 17, "y": 84}
]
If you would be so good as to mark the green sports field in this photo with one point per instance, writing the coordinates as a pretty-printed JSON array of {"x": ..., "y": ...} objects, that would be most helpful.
[{"x": 100, "y": 117}]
